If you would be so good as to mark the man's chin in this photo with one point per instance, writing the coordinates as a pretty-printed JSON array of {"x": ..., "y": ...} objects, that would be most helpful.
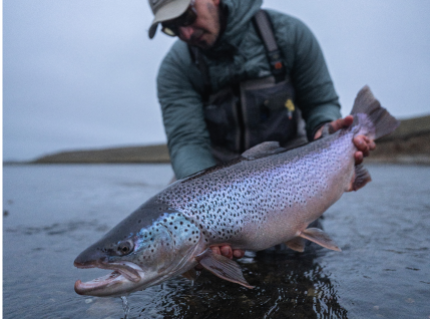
[{"x": 202, "y": 42}]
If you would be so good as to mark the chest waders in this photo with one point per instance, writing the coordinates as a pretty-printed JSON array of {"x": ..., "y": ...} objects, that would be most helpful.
[{"x": 245, "y": 114}]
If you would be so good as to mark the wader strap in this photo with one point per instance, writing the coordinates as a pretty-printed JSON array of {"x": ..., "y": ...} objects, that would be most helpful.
[
  {"x": 199, "y": 61},
  {"x": 265, "y": 29}
]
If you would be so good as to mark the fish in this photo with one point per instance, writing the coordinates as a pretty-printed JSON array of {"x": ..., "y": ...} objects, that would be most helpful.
[{"x": 267, "y": 197}]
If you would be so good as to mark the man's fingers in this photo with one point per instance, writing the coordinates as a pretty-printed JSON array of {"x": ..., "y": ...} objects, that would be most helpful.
[
  {"x": 216, "y": 250},
  {"x": 226, "y": 251},
  {"x": 336, "y": 125},
  {"x": 237, "y": 253},
  {"x": 363, "y": 144},
  {"x": 372, "y": 145},
  {"x": 342, "y": 123}
]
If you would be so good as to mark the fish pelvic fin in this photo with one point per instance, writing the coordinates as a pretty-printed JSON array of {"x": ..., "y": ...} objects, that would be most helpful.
[
  {"x": 296, "y": 244},
  {"x": 319, "y": 237},
  {"x": 190, "y": 274},
  {"x": 360, "y": 178},
  {"x": 375, "y": 120},
  {"x": 222, "y": 267}
]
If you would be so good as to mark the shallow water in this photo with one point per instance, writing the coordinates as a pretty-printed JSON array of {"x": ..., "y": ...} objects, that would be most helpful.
[{"x": 51, "y": 213}]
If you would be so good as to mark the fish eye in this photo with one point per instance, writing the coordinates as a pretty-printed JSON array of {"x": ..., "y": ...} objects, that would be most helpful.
[{"x": 125, "y": 247}]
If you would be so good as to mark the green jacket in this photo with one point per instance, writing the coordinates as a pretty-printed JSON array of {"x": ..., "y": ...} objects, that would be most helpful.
[{"x": 238, "y": 55}]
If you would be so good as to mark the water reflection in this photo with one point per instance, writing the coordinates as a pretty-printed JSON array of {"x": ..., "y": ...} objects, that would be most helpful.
[
  {"x": 286, "y": 286},
  {"x": 53, "y": 212}
]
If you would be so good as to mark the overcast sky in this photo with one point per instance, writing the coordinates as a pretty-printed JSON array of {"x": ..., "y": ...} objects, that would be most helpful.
[{"x": 80, "y": 74}]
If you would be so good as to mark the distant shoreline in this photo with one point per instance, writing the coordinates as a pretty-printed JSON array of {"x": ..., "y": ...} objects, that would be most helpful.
[{"x": 409, "y": 144}]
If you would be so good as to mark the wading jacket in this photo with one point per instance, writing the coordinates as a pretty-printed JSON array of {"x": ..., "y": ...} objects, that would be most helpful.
[{"x": 239, "y": 55}]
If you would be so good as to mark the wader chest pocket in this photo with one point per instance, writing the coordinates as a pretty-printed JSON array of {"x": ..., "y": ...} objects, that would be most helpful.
[
  {"x": 222, "y": 119},
  {"x": 269, "y": 111}
]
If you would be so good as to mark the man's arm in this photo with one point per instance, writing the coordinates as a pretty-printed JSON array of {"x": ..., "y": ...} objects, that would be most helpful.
[
  {"x": 314, "y": 91},
  {"x": 182, "y": 107}
]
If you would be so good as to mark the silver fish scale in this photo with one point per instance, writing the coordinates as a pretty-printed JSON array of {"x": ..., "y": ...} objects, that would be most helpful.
[{"x": 223, "y": 202}]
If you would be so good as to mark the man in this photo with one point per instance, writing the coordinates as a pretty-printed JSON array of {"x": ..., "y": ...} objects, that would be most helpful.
[{"x": 239, "y": 77}]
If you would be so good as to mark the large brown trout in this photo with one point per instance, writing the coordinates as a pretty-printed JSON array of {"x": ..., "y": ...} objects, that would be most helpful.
[{"x": 268, "y": 197}]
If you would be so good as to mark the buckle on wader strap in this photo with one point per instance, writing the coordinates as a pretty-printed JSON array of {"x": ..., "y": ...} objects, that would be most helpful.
[
  {"x": 264, "y": 28},
  {"x": 197, "y": 58}
]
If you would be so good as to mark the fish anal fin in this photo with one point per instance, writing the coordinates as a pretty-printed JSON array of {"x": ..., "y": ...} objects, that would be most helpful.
[
  {"x": 296, "y": 244},
  {"x": 319, "y": 237},
  {"x": 262, "y": 150},
  {"x": 360, "y": 179},
  {"x": 222, "y": 267},
  {"x": 190, "y": 274}
]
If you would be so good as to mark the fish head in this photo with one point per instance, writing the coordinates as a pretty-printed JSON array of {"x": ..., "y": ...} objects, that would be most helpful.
[{"x": 142, "y": 258}]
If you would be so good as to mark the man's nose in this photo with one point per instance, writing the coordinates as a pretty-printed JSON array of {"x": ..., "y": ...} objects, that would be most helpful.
[{"x": 186, "y": 33}]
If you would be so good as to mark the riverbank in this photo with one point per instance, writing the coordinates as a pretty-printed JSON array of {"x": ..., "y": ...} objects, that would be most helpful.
[{"x": 409, "y": 144}]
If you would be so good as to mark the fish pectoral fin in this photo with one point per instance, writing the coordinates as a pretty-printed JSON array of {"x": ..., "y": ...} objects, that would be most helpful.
[
  {"x": 319, "y": 237},
  {"x": 190, "y": 274},
  {"x": 222, "y": 267},
  {"x": 296, "y": 244},
  {"x": 262, "y": 150}
]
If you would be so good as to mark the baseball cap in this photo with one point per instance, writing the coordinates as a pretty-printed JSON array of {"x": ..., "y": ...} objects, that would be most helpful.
[{"x": 164, "y": 10}]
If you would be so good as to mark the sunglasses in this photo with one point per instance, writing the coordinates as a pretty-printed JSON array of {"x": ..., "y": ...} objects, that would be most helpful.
[{"x": 171, "y": 28}]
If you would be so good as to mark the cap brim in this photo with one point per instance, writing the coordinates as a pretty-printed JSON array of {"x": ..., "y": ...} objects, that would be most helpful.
[{"x": 167, "y": 12}]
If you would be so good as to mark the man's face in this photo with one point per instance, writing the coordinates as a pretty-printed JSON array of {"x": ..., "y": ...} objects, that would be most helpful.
[{"x": 204, "y": 31}]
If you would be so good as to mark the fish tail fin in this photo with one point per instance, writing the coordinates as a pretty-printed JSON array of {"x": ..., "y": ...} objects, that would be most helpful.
[{"x": 374, "y": 120}]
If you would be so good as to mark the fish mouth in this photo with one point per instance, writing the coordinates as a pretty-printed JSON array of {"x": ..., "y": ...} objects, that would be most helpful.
[{"x": 122, "y": 272}]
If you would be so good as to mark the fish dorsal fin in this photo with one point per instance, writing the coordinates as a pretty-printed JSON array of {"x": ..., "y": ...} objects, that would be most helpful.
[
  {"x": 262, "y": 150},
  {"x": 222, "y": 267},
  {"x": 319, "y": 237},
  {"x": 296, "y": 244}
]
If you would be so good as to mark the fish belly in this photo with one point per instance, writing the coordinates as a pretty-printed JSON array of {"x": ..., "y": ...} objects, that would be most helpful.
[
  {"x": 299, "y": 193},
  {"x": 257, "y": 204}
]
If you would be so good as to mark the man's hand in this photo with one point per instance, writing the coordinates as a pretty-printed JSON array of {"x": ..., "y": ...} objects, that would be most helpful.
[{"x": 363, "y": 144}]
